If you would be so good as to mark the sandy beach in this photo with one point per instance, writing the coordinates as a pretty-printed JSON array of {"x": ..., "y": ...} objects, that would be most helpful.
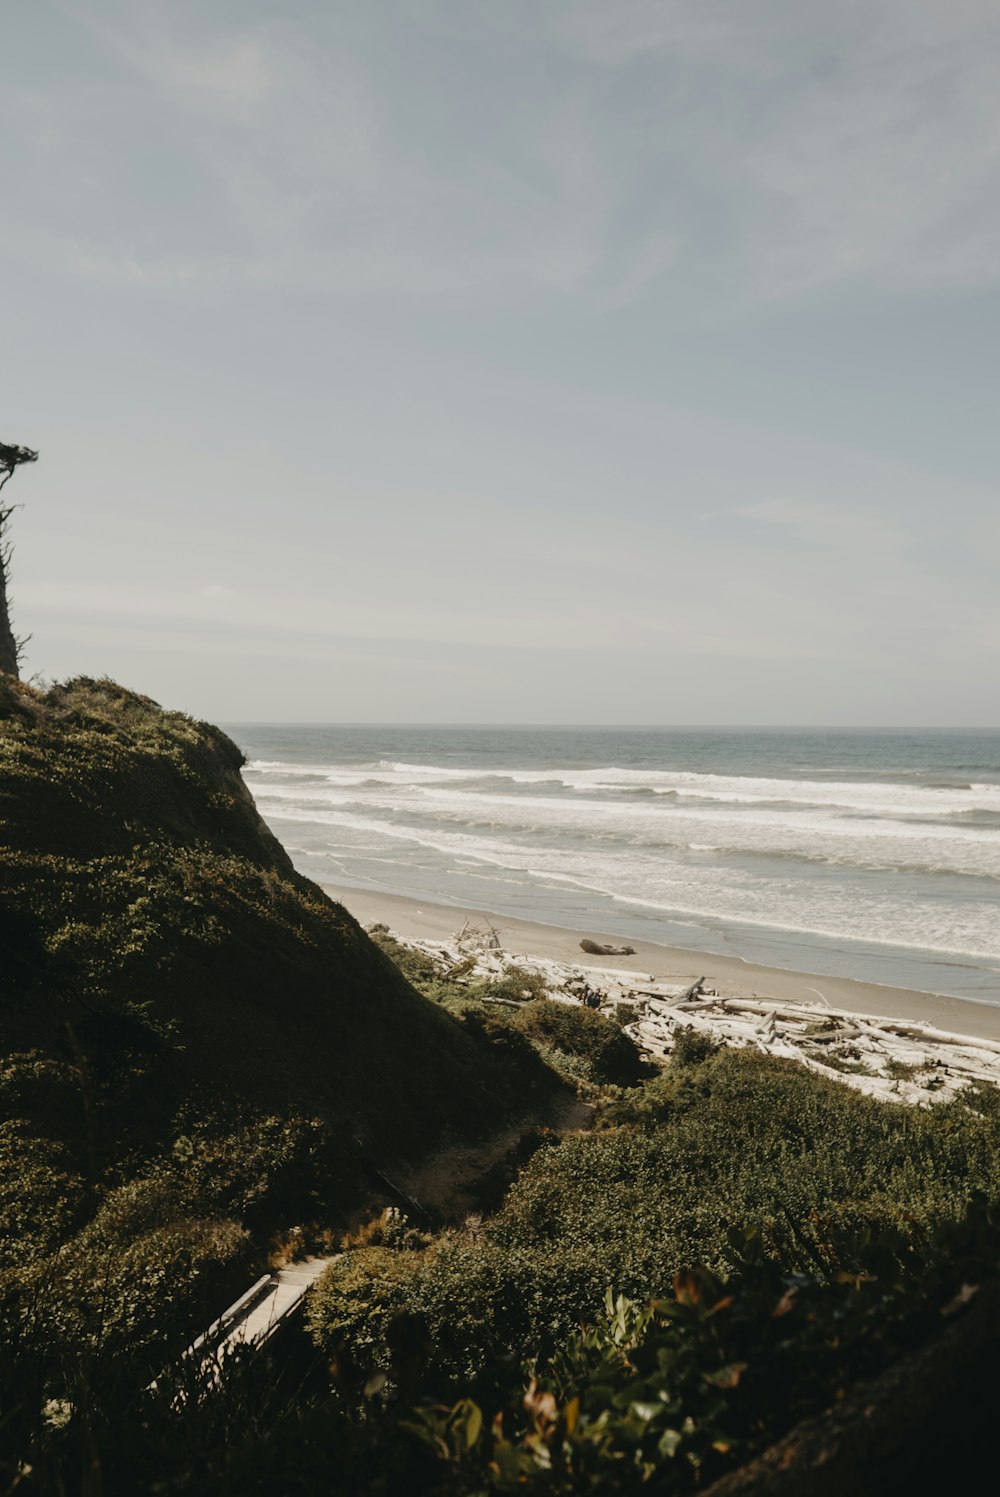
[{"x": 420, "y": 920}]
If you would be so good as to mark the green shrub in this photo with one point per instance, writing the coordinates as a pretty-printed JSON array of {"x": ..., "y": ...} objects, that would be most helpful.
[
  {"x": 606, "y": 1052},
  {"x": 517, "y": 985},
  {"x": 731, "y": 1143},
  {"x": 667, "y": 1395}
]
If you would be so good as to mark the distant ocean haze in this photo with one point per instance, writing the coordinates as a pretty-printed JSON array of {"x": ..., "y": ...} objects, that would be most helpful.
[{"x": 873, "y": 855}]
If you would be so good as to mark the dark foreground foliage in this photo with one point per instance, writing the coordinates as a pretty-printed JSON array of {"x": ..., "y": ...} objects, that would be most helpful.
[{"x": 655, "y": 1397}]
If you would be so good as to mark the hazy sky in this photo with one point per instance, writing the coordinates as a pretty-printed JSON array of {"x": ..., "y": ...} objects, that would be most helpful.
[{"x": 508, "y": 360}]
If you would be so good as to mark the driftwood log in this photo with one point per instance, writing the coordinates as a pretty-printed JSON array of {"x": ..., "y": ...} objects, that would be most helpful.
[{"x": 594, "y": 948}]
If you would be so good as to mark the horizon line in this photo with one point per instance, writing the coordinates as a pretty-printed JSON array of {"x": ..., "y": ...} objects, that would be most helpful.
[{"x": 616, "y": 726}]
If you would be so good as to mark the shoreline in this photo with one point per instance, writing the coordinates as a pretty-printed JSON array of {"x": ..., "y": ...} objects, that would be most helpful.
[{"x": 419, "y": 919}]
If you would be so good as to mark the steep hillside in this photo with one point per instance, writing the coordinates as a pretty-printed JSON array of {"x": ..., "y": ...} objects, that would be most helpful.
[
  {"x": 154, "y": 935},
  {"x": 202, "y": 1059}
]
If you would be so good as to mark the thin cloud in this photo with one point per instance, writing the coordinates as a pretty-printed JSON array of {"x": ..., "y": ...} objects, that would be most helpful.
[
  {"x": 763, "y": 149},
  {"x": 839, "y": 525}
]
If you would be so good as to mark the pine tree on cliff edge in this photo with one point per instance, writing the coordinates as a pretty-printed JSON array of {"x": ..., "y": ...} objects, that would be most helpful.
[{"x": 10, "y": 648}]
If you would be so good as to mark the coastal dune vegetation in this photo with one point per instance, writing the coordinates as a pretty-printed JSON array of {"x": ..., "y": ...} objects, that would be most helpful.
[{"x": 657, "y": 1272}]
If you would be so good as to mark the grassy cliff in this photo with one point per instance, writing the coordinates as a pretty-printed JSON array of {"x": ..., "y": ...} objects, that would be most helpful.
[
  {"x": 140, "y": 890},
  {"x": 198, "y": 1049}
]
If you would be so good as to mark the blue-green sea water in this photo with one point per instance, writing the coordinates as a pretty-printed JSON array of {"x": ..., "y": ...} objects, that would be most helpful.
[{"x": 867, "y": 854}]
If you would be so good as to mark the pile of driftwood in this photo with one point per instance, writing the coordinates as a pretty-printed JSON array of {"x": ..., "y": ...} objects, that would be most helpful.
[{"x": 888, "y": 1058}]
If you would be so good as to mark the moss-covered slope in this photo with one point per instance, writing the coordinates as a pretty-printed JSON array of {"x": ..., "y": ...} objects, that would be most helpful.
[{"x": 145, "y": 907}]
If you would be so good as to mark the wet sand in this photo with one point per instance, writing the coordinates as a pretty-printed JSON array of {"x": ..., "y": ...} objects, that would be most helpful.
[{"x": 417, "y": 919}]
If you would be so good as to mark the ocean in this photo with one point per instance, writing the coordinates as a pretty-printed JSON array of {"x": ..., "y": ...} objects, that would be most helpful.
[{"x": 865, "y": 854}]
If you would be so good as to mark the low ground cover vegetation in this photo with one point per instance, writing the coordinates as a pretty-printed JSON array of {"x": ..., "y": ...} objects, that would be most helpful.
[{"x": 724, "y": 1146}]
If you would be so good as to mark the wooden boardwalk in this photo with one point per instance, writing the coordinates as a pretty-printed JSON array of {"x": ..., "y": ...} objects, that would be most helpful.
[{"x": 253, "y": 1319}]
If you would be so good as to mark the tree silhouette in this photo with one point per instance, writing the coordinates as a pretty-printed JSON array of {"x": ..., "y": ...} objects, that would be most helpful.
[{"x": 11, "y": 457}]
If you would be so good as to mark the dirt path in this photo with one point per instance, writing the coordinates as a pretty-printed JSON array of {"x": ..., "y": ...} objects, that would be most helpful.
[{"x": 448, "y": 1184}]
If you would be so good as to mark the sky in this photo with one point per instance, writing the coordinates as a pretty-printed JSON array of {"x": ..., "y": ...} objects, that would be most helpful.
[{"x": 580, "y": 361}]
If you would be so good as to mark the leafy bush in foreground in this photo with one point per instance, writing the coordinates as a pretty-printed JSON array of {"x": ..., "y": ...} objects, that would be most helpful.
[
  {"x": 664, "y": 1396},
  {"x": 651, "y": 1397}
]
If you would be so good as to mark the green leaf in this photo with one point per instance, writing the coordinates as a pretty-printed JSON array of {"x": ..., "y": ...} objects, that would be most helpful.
[
  {"x": 728, "y": 1376},
  {"x": 669, "y": 1442},
  {"x": 465, "y": 1423}
]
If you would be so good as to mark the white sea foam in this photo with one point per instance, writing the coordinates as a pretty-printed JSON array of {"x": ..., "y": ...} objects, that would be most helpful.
[
  {"x": 879, "y": 797},
  {"x": 894, "y": 861},
  {"x": 804, "y": 831},
  {"x": 719, "y": 894}
]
